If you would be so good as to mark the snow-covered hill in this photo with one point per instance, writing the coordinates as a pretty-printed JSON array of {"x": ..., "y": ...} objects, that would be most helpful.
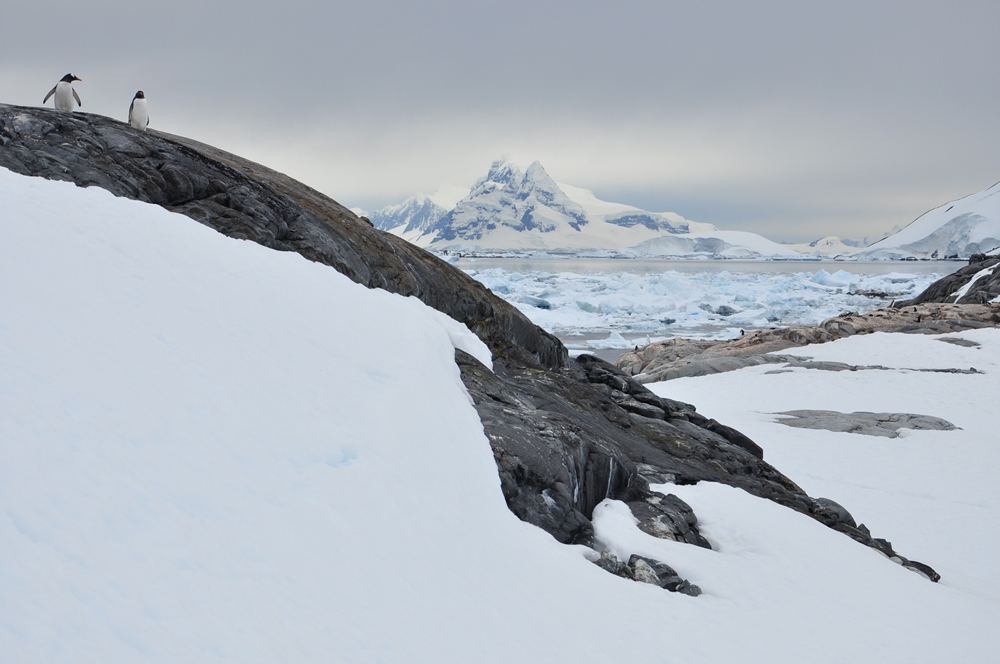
[
  {"x": 511, "y": 210},
  {"x": 959, "y": 229},
  {"x": 829, "y": 246},
  {"x": 202, "y": 462}
]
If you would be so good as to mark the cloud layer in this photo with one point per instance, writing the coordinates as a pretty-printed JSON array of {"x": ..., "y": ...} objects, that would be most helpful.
[{"x": 787, "y": 118}]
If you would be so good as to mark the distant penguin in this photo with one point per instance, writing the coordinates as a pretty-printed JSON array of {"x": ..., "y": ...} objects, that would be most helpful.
[
  {"x": 65, "y": 94},
  {"x": 138, "y": 112}
]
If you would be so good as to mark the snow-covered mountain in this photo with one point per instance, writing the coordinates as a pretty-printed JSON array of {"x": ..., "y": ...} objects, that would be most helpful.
[
  {"x": 830, "y": 245},
  {"x": 970, "y": 225},
  {"x": 416, "y": 214},
  {"x": 511, "y": 210}
]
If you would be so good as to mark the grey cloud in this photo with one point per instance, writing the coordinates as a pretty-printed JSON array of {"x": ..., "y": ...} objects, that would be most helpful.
[{"x": 789, "y": 116}]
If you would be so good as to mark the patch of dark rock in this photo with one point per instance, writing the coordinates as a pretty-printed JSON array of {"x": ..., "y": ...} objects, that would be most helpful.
[
  {"x": 647, "y": 570},
  {"x": 831, "y": 510},
  {"x": 958, "y": 341},
  {"x": 841, "y": 366},
  {"x": 869, "y": 424},
  {"x": 985, "y": 288}
]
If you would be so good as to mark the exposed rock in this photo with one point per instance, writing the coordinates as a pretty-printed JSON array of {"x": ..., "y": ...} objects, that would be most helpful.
[
  {"x": 834, "y": 510},
  {"x": 868, "y": 424},
  {"x": 248, "y": 201},
  {"x": 609, "y": 563},
  {"x": 968, "y": 343},
  {"x": 956, "y": 287},
  {"x": 566, "y": 434},
  {"x": 646, "y": 570},
  {"x": 679, "y": 358}
]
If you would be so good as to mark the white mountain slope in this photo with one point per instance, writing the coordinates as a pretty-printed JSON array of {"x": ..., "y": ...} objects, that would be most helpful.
[
  {"x": 508, "y": 210},
  {"x": 215, "y": 452},
  {"x": 970, "y": 225},
  {"x": 830, "y": 245},
  {"x": 415, "y": 215}
]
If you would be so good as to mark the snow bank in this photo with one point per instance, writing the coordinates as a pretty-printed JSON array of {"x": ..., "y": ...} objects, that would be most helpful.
[{"x": 212, "y": 451}]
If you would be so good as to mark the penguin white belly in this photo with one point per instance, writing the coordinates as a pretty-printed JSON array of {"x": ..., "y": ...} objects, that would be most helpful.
[
  {"x": 138, "y": 117},
  {"x": 64, "y": 96}
]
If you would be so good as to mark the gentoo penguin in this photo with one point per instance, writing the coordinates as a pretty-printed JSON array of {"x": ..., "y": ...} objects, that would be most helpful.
[
  {"x": 138, "y": 112},
  {"x": 65, "y": 94}
]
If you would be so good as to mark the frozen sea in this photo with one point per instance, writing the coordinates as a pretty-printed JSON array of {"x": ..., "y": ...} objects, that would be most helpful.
[{"x": 608, "y": 305}]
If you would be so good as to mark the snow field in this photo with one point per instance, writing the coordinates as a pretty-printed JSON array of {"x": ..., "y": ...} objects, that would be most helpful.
[{"x": 212, "y": 451}]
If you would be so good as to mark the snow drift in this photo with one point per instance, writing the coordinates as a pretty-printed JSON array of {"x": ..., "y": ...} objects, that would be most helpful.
[{"x": 213, "y": 451}]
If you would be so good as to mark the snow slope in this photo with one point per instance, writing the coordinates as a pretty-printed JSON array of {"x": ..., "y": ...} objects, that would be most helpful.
[
  {"x": 918, "y": 486},
  {"x": 714, "y": 244},
  {"x": 970, "y": 225},
  {"x": 212, "y": 451},
  {"x": 829, "y": 246}
]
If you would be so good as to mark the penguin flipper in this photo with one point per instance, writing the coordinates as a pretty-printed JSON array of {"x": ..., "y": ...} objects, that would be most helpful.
[
  {"x": 130, "y": 107},
  {"x": 51, "y": 92},
  {"x": 77, "y": 98},
  {"x": 147, "y": 120}
]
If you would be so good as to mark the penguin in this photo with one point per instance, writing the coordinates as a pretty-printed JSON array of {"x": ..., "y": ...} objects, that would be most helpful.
[
  {"x": 138, "y": 112},
  {"x": 65, "y": 94}
]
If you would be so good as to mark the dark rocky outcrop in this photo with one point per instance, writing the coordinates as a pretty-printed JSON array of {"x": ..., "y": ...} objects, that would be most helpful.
[
  {"x": 245, "y": 200},
  {"x": 565, "y": 433},
  {"x": 983, "y": 290}
]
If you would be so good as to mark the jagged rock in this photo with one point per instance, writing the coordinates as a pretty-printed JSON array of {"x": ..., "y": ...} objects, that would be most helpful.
[
  {"x": 609, "y": 563},
  {"x": 645, "y": 570},
  {"x": 248, "y": 201},
  {"x": 561, "y": 437},
  {"x": 983, "y": 290}
]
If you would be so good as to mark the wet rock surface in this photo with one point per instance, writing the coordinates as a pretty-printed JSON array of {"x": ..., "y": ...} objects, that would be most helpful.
[
  {"x": 869, "y": 424},
  {"x": 565, "y": 433}
]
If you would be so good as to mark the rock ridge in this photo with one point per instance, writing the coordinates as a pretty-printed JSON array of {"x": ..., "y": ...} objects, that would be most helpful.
[{"x": 565, "y": 433}]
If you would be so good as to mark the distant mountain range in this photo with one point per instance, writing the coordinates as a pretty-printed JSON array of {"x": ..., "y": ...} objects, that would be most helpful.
[
  {"x": 511, "y": 210},
  {"x": 508, "y": 210},
  {"x": 958, "y": 229}
]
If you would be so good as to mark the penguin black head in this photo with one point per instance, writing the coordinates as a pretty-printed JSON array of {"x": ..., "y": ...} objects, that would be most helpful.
[
  {"x": 69, "y": 78},
  {"x": 140, "y": 95}
]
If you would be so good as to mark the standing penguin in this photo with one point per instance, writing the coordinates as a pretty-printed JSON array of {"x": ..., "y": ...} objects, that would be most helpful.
[
  {"x": 65, "y": 94},
  {"x": 138, "y": 112}
]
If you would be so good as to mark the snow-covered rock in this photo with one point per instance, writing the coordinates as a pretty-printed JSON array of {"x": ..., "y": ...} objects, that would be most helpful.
[
  {"x": 829, "y": 246},
  {"x": 414, "y": 216},
  {"x": 959, "y": 229}
]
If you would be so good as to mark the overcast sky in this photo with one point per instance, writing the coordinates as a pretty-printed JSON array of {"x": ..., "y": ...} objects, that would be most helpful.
[{"x": 792, "y": 119}]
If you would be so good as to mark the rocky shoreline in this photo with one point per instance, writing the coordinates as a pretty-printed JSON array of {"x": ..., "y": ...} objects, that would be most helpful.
[{"x": 683, "y": 358}]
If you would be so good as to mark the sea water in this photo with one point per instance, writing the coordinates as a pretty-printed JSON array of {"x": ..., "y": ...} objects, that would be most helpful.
[{"x": 608, "y": 304}]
